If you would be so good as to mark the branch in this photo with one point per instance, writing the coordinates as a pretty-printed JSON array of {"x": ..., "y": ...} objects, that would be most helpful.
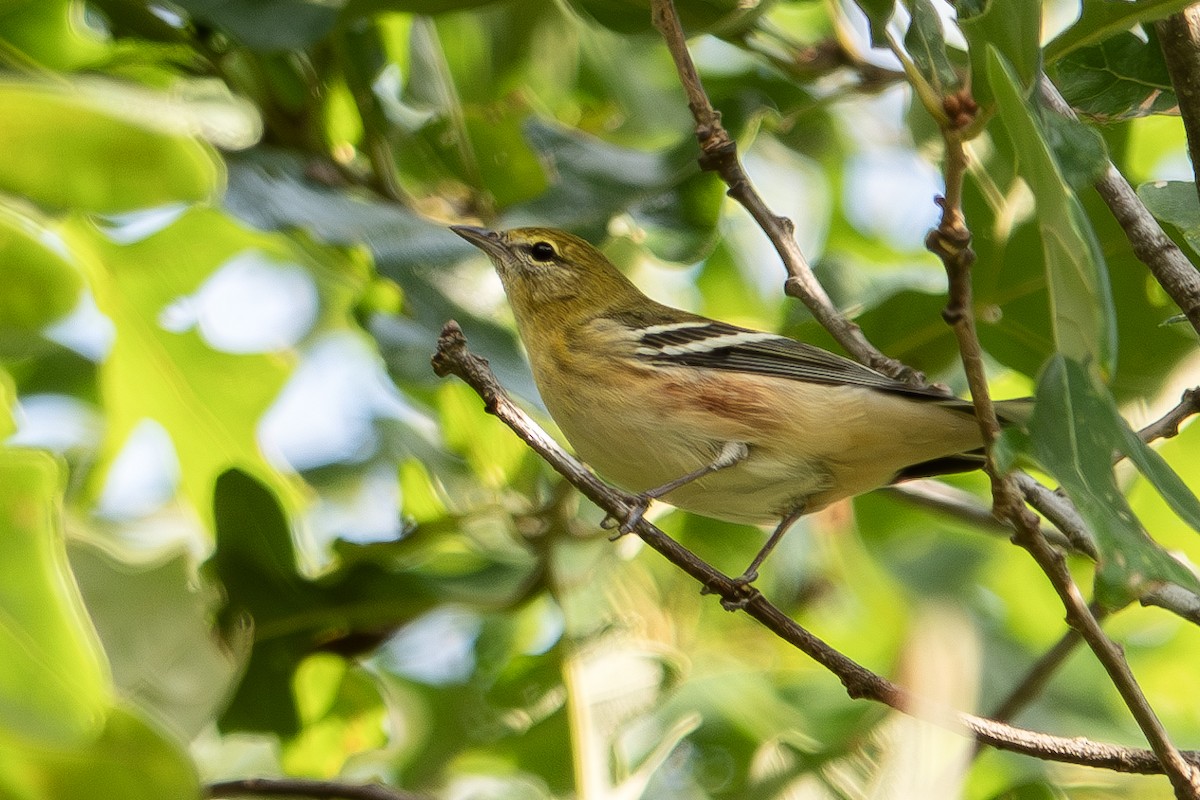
[
  {"x": 719, "y": 155},
  {"x": 1167, "y": 426},
  {"x": 1179, "y": 36},
  {"x": 951, "y": 242},
  {"x": 296, "y": 787},
  {"x": 1150, "y": 244},
  {"x": 453, "y": 358},
  {"x": 1182, "y": 602},
  {"x": 962, "y": 505}
]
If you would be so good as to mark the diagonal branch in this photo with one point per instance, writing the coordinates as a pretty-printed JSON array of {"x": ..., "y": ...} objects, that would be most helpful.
[
  {"x": 719, "y": 154},
  {"x": 1179, "y": 37},
  {"x": 1150, "y": 244},
  {"x": 951, "y": 242},
  {"x": 453, "y": 358}
]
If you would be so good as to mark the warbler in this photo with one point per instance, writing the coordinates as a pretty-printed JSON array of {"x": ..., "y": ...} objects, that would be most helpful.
[{"x": 724, "y": 421}]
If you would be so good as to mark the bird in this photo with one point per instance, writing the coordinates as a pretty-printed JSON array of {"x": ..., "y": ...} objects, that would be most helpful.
[{"x": 716, "y": 419}]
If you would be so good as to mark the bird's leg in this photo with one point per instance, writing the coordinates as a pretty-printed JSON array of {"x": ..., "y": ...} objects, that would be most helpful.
[
  {"x": 789, "y": 519},
  {"x": 731, "y": 453}
]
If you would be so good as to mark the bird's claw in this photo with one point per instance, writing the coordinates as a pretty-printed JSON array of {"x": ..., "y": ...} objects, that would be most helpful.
[
  {"x": 741, "y": 592},
  {"x": 626, "y": 524}
]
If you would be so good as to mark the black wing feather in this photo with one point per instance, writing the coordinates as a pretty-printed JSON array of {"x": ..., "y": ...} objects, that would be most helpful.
[{"x": 773, "y": 355}]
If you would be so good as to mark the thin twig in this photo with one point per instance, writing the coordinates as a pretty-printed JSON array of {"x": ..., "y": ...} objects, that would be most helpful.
[
  {"x": 951, "y": 242},
  {"x": 1059, "y": 510},
  {"x": 453, "y": 358},
  {"x": 1182, "y": 602},
  {"x": 297, "y": 787},
  {"x": 961, "y": 505},
  {"x": 1150, "y": 244},
  {"x": 1185, "y": 779},
  {"x": 1167, "y": 426},
  {"x": 1037, "y": 677},
  {"x": 718, "y": 153}
]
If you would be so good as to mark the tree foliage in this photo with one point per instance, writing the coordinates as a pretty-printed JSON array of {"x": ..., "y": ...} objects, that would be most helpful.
[{"x": 246, "y": 531}]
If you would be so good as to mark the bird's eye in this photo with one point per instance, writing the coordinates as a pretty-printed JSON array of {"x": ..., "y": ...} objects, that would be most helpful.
[{"x": 542, "y": 251}]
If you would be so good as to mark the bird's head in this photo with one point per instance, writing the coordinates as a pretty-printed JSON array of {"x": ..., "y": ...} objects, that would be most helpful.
[{"x": 543, "y": 267}]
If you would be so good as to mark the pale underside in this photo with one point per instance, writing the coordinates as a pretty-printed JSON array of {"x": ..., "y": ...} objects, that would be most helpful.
[{"x": 854, "y": 439}]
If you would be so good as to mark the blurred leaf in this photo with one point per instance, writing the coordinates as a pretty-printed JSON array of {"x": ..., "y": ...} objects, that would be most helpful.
[
  {"x": 718, "y": 17},
  {"x": 1175, "y": 203},
  {"x": 1072, "y": 434},
  {"x": 269, "y": 25},
  {"x": 375, "y": 589},
  {"x": 681, "y": 224},
  {"x": 105, "y": 156},
  {"x": 156, "y": 627},
  {"x": 181, "y": 364},
  {"x": 926, "y": 43},
  {"x": 54, "y": 683},
  {"x": 42, "y": 282},
  {"x": 128, "y": 759},
  {"x": 1080, "y": 300},
  {"x": 1013, "y": 28},
  {"x": 8, "y": 397},
  {"x": 595, "y": 181},
  {"x": 1121, "y": 78},
  {"x": 1078, "y": 148},
  {"x": 1143, "y": 309},
  {"x": 1033, "y": 790},
  {"x": 508, "y": 168},
  {"x": 492, "y": 451},
  {"x": 1101, "y": 19},
  {"x": 364, "y": 7},
  {"x": 270, "y": 190},
  {"x": 879, "y": 13},
  {"x": 343, "y": 715},
  {"x": 50, "y": 33}
]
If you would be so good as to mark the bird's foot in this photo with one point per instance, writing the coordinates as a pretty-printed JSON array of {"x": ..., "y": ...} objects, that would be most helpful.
[
  {"x": 620, "y": 526},
  {"x": 741, "y": 592}
]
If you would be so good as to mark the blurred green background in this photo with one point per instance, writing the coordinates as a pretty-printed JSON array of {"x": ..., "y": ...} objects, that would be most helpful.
[{"x": 245, "y": 531}]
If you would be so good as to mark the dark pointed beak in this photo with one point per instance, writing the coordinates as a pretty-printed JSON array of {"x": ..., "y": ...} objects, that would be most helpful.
[{"x": 488, "y": 241}]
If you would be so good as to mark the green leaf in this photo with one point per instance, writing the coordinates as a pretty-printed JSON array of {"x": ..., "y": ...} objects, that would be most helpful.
[
  {"x": 156, "y": 627},
  {"x": 348, "y": 610},
  {"x": 60, "y": 736},
  {"x": 1080, "y": 299},
  {"x": 878, "y": 12},
  {"x": 1101, "y": 19},
  {"x": 596, "y": 181},
  {"x": 54, "y": 683},
  {"x": 49, "y": 33},
  {"x": 718, "y": 17},
  {"x": 1014, "y": 28},
  {"x": 42, "y": 280},
  {"x": 8, "y": 397},
  {"x": 128, "y": 759},
  {"x": 368, "y": 7},
  {"x": 1164, "y": 479},
  {"x": 1121, "y": 78},
  {"x": 1175, "y": 203},
  {"x": 681, "y": 224},
  {"x": 269, "y": 25},
  {"x": 270, "y": 191},
  {"x": 926, "y": 43},
  {"x": 1072, "y": 434},
  {"x": 1078, "y": 148},
  {"x": 170, "y": 365},
  {"x": 100, "y": 147}
]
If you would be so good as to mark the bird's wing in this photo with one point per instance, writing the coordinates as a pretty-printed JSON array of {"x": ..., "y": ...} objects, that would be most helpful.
[{"x": 717, "y": 345}]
